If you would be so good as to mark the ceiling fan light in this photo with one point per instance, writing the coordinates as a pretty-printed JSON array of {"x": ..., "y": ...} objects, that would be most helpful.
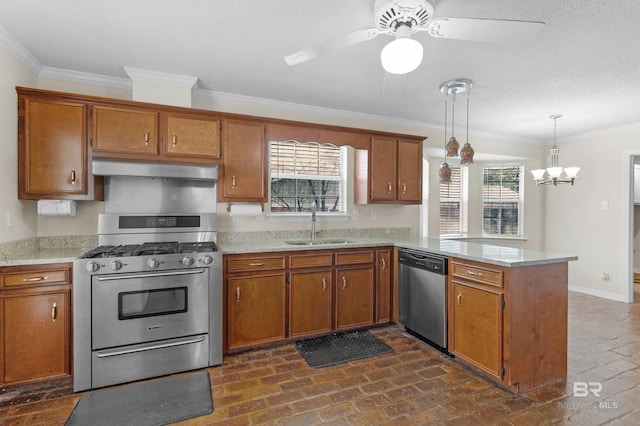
[{"x": 401, "y": 56}]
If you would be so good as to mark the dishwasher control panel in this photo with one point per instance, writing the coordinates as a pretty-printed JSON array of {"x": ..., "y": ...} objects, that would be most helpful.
[{"x": 425, "y": 261}]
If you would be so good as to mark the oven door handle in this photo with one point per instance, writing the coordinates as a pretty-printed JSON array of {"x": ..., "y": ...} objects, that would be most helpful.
[
  {"x": 105, "y": 354},
  {"x": 159, "y": 274}
]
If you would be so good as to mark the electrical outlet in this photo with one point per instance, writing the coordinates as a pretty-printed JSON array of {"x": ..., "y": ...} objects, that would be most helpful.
[
  {"x": 605, "y": 205},
  {"x": 374, "y": 215},
  {"x": 9, "y": 219},
  {"x": 355, "y": 215},
  {"x": 604, "y": 276}
]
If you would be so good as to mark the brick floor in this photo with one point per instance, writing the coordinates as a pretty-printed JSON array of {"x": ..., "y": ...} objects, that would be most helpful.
[{"x": 413, "y": 385}]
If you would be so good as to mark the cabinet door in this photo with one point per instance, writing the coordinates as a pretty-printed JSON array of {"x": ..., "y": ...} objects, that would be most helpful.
[
  {"x": 409, "y": 171},
  {"x": 244, "y": 161},
  {"x": 310, "y": 303},
  {"x": 53, "y": 148},
  {"x": 354, "y": 297},
  {"x": 383, "y": 286},
  {"x": 36, "y": 336},
  {"x": 122, "y": 130},
  {"x": 478, "y": 327},
  {"x": 383, "y": 169},
  {"x": 192, "y": 137},
  {"x": 256, "y": 310}
]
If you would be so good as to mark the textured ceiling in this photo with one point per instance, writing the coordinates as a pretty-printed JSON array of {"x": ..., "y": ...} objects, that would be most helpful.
[{"x": 585, "y": 64}]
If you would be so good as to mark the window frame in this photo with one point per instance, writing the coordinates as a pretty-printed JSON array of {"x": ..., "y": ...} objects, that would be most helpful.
[
  {"x": 519, "y": 201},
  {"x": 342, "y": 180},
  {"x": 463, "y": 201}
]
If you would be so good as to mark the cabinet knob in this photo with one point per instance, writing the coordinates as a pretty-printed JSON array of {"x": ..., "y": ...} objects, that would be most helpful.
[
  {"x": 174, "y": 139},
  {"x": 459, "y": 298},
  {"x": 404, "y": 187},
  {"x": 344, "y": 282},
  {"x": 73, "y": 176},
  {"x": 324, "y": 285},
  {"x": 54, "y": 312},
  {"x": 384, "y": 264},
  {"x": 233, "y": 181},
  {"x": 389, "y": 187},
  {"x": 146, "y": 138},
  {"x": 237, "y": 294}
]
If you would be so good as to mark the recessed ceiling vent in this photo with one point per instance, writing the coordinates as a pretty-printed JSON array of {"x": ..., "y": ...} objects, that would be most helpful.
[{"x": 390, "y": 14}]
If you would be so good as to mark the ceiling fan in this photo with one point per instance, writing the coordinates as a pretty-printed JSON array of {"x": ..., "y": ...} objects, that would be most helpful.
[{"x": 401, "y": 18}]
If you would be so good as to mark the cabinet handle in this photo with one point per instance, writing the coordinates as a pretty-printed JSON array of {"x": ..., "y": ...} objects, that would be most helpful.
[
  {"x": 146, "y": 138},
  {"x": 34, "y": 279},
  {"x": 384, "y": 264},
  {"x": 324, "y": 285},
  {"x": 233, "y": 181},
  {"x": 389, "y": 187},
  {"x": 459, "y": 298},
  {"x": 174, "y": 139},
  {"x": 54, "y": 311},
  {"x": 344, "y": 282},
  {"x": 73, "y": 176},
  {"x": 256, "y": 264},
  {"x": 237, "y": 294},
  {"x": 477, "y": 274},
  {"x": 404, "y": 187}
]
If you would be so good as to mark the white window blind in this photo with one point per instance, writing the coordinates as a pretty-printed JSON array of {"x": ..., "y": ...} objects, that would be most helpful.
[
  {"x": 452, "y": 203},
  {"x": 302, "y": 173},
  {"x": 502, "y": 200}
]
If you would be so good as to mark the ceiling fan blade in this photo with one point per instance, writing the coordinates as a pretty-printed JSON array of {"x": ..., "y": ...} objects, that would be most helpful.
[
  {"x": 350, "y": 39},
  {"x": 485, "y": 30}
]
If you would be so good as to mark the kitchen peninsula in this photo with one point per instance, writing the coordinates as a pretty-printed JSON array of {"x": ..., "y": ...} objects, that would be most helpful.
[{"x": 507, "y": 307}]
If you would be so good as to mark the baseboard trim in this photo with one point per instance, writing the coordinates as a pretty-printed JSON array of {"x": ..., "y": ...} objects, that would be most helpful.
[{"x": 597, "y": 293}]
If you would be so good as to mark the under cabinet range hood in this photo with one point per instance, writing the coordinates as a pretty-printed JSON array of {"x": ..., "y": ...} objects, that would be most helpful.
[{"x": 157, "y": 170}]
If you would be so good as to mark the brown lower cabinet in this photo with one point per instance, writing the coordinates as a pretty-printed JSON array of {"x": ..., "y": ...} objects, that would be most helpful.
[
  {"x": 272, "y": 297},
  {"x": 509, "y": 322},
  {"x": 35, "y": 331}
]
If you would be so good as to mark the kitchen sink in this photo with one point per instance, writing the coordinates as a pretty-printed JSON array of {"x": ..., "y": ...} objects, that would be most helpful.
[{"x": 318, "y": 242}]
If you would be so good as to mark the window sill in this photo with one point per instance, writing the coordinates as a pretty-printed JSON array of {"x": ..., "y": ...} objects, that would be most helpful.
[{"x": 485, "y": 239}]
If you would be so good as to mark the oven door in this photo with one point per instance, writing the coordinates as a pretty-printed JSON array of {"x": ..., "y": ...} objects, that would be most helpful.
[{"x": 142, "y": 307}]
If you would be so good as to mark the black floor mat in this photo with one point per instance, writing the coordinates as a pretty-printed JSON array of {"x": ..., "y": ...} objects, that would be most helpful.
[
  {"x": 150, "y": 403},
  {"x": 337, "y": 348}
]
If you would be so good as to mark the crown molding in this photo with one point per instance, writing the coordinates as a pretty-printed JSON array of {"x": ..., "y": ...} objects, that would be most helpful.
[
  {"x": 138, "y": 74},
  {"x": 85, "y": 78},
  {"x": 20, "y": 52}
]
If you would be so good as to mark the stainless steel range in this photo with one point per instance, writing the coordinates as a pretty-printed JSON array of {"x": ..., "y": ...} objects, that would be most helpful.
[{"x": 148, "y": 301}]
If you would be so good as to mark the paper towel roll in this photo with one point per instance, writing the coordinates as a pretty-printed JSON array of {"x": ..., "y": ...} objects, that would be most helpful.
[
  {"x": 245, "y": 210},
  {"x": 56, "y": 207}
]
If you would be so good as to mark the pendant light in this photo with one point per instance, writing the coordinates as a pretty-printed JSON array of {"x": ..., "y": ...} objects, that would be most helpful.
[
  {"x": 452, "y": 88},
  {"x": 445, "y": 170},
  {"x": 555, "y": 174}
]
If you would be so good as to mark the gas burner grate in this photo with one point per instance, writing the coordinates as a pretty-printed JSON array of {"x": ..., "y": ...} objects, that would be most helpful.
[
  {"x": 156, "y": 248},
  {"x": 197, "y": 247}
]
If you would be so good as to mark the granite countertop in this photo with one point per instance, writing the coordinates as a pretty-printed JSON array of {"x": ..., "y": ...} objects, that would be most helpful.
[
  {"x": 488, "y": 253},
  {"x": 42, "y": 256},
  {"x": 42, "y": 250}
]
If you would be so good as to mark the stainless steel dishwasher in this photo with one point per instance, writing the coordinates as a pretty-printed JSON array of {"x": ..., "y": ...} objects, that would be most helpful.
[{"x": 422, "y": 296}]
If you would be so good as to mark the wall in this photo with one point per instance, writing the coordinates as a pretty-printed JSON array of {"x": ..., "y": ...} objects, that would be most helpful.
[
  {"x": 23, "y": 212},
  {"x": 575, "y": 220}
]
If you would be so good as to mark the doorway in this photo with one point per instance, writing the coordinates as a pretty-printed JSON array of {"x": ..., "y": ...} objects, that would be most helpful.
[{"x": 631, "y": 258}]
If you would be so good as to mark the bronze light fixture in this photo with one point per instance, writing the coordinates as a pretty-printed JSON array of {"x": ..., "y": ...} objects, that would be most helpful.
[{"x": 450, "y": 89}]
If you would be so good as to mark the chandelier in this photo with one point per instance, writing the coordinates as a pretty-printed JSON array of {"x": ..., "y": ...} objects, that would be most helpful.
[
  {"x": 450, "y": 89},
  {"x": 555, "y": 174}
]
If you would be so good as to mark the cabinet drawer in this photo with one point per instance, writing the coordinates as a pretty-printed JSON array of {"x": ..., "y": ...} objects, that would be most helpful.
[
  {"x": 475, "y": 273},
  {"x": 354, "y": 257},
  {"x": 310, "y": 260},
  {"x": 255, "y": 264},
  {"x": 54, "y": 276}
]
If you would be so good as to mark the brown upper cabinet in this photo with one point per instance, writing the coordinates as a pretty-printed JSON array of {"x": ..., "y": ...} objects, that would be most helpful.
[
  {"x": 244, "y": 175},
  {"x": 191, "y": 135},
  {"x": 53, "y": 159},
  {"x": 395, "y": 171},
  {"x": 126, "y": 131}
]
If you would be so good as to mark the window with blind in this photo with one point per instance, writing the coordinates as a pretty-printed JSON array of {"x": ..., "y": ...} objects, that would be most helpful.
[
  {"x": 453, "y": 203},
  {"x": 502, "y": 200},
  {"x": 304, "y": 173}
]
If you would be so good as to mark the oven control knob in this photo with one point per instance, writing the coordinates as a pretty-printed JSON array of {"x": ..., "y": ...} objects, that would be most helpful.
[
  {"x": 187, "y": 261},
  {"x": 207, "y": 260},
  {"x": 92, "y": 266},
  {"x": 153, "y": 262},
  {"x": 116, "y": 265}
]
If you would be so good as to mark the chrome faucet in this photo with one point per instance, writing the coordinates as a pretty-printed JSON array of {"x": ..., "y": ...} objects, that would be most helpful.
[{"x": 313, "y": 221}]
